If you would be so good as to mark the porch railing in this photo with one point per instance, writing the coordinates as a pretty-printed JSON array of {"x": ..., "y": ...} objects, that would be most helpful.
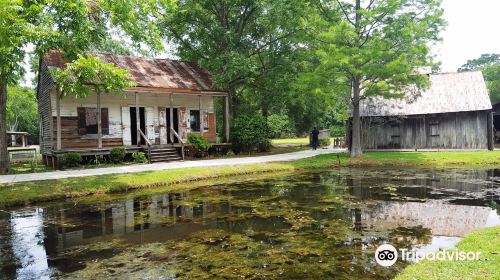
[
  {"x": 148, "y": 144},
  {"x": 180, "y": 141}
]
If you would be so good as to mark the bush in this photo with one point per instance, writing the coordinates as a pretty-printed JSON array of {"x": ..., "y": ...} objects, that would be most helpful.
[
  {"x": 199, "y": 142},
  {"x": 279, "y": 126},
  {"x": 117, "y": 155},
  {"x": 338, "y": 130},
  {"x": 139, "y": 157},
  {"x": 249, "y": 133},
  {"x": 323, "y": 142},
  {"x": 71, "y": 160}
]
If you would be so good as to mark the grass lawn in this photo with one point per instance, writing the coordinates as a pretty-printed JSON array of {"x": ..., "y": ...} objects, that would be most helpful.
[
  {"x": 291, "y": 141},
  {"x": 432, "y": 159},
  {"x": 21, "y": 193},
  {"x": 486, "y": 241}
]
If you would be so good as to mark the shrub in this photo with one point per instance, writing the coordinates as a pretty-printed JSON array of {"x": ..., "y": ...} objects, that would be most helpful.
[
  {"x": 323, "y": 142},
  {"x": 117, "y": 155},
  {"x": 250, "y": 133},
  {"x": 71, "y": 159},
  {"x": 199, "y": 142},
  {"x": 139, "y": 157},
  {"x": 279, "y": 126},
  {"x": 338, "y": 130}
]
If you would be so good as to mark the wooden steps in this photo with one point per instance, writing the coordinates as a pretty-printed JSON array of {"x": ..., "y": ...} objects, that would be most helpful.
[{"x": 164, "y": 154}]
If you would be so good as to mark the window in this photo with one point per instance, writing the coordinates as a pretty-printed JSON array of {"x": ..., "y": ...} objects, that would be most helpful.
[
  {"x": 87, "y": 121},
  {"x": 194, "y": 120},
  {"x": 434, "y": 128}
]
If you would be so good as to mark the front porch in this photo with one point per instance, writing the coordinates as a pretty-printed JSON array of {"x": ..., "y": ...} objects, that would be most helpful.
[{"x": 138, "y": 121}]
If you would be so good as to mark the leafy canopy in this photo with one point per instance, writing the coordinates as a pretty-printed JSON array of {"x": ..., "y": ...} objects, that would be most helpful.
[
  {"x": 379, "y": 43},
  {"x": 90, "y": 72},
  {"x": 489, "y": 65}
]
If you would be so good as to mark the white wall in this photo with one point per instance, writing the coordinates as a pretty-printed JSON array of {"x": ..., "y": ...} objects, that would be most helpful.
[{"x": 114, "y": 103}]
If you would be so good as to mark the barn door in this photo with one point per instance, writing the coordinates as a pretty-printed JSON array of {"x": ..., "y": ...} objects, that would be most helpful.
[
  {"x": 126, "y": 132},
  {"x": 162, "y": 117},
  {"x": 150, "y": 124}
]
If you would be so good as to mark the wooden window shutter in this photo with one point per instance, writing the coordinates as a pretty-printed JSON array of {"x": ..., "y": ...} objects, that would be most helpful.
[
  {"x": 104, "y": 121},
  {"x": 82, "y": 129}
]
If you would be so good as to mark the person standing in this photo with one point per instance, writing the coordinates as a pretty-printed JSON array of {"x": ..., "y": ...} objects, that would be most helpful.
[{"x": 315, "y": 138}]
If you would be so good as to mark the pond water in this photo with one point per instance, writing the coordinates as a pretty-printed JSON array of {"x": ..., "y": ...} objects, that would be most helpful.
[{"x": 322, "y": 224}]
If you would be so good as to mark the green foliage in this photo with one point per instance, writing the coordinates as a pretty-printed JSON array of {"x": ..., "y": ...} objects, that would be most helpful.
[
  {"x": 489, "y": 64},
  {"x": 478, "y": 63},
  {"x": 22, "y": 112},
  {"x": 117, "y": 154},
  {"x": 338, "y": 130},
  {"x": 139, "y": 157},
  {"x": 249, "y": 133},
  {"x": 71, "y": 159},
  {"x": 324, "y": 142},
  {"x": 199, "y": 142},
  {"x": 492, "y": 77},
  {"x": 88, "y": 72},
  {"x": 372, "y": 48},
  {"x": 279, "y": 126}
]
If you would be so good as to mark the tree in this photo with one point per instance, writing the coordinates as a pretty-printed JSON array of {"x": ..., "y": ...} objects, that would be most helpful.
[
  {"x": 489, "y": 65},
  {"x": 374, "y": 46},
  {"x": 15, "y": 32},
  {"x": 22, "y": 111},
  {"x": 89, "y": 74},
  {"x": 74, "y": 26},
  {"x": 483, "y": 61},
  {"x": 239, "y": 42}
]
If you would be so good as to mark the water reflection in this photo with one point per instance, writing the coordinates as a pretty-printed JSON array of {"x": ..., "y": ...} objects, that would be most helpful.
[{"x": 336, "y": 216}]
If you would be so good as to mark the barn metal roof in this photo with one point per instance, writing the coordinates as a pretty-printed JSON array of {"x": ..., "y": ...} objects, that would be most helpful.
[
  {"x": 449, "y": 92},
  {"x": 152, "y": 74}
]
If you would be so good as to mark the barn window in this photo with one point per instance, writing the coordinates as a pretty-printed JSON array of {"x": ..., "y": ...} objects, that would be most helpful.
[
  {"x": 194, "y": 120},
  {"x": 434, "y": 129},
  {"x": 87, "y": 120}
]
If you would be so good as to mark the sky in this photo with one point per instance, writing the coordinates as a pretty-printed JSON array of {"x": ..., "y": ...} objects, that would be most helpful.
[{"x": 472, "y": 30}]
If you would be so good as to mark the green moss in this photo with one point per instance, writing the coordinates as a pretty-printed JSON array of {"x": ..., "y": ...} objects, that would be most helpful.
[{"x": 486, "y": 241}]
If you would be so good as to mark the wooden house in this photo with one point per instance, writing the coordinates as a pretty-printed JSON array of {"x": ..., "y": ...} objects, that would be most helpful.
[
  {"x": 171, "y": 99},
  {"x": 454, "y": 113}
]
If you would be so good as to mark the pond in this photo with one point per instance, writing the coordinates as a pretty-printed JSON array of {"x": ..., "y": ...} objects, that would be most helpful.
[{"x": 322, "y": 224}]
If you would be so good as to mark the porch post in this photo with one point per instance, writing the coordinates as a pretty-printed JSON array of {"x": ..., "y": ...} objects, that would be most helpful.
[
  {"x": 201, "y": 115},
  {"x": 58, "y": 120},
  {"x": 171, "y": 116},
  {"x": 137, "y": 119},
  {"x": 226, "y": 118},
  {"x": 99, "y": 126}
]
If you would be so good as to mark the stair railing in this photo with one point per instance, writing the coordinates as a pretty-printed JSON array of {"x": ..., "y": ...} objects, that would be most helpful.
[
  {"x": 148, "y": 144},
  {"x": 180, "y": 141}
]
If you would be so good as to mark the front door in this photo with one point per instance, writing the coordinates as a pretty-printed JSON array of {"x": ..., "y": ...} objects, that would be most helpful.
[
  {"x": 175, "y": 125},
  {"x": 133, "y": 124}
]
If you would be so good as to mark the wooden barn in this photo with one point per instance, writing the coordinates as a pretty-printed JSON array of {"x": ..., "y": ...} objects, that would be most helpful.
[
  {"x": 454, "y": 113},
  {"x": 171, "y": 100}
]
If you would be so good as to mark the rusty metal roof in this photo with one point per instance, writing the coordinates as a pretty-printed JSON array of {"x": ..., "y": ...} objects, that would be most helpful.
[
  {"x": 152, "y": 73},
  {"x": 449, "y": 92}
]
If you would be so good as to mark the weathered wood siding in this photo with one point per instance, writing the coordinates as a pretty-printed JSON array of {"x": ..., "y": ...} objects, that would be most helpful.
[
  {"x": 460, "y": 130},
  {"x": 45, "y": 84},
  {"x": 155, "y": 104}
]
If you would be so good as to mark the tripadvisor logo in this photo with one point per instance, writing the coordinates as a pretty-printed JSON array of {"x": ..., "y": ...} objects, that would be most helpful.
[{"x": 387, "y": 255}]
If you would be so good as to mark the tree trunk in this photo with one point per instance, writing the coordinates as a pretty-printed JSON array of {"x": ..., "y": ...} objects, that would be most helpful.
[
  {"x": 99, "y": 126},
  {"x": 4, "y": 154},
  {"x": 356, "y": 150}
]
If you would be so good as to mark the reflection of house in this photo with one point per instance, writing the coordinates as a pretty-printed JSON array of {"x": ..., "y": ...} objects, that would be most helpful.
[
  {"x": 454, "y": 113},
  {"x": 171, "y": 100},
  {"x": 442, "y": 219}
]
